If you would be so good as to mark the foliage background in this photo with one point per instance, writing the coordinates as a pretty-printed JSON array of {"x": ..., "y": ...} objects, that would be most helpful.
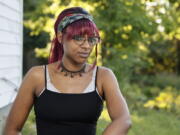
[{"x": 140, "y": 43}]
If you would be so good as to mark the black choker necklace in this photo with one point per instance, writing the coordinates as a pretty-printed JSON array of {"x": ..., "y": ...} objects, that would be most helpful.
[{"x": 72, "y": 73}]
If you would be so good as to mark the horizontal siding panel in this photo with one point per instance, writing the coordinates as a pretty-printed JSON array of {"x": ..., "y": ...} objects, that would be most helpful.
[
  {"x": 10, "y": 37},
  {"x": 10, "y": 50},
  {"x": 10, "y": 67},
  {"x": 11, "y": 22},
  {"x": 7, "y": 98},
  {"x": 16, "y": 80},
  {"x": 7, "y": 25},
  {"x": 10, "y": 19},
  {"x": 6, "y": 62},
  {"x": 9, "y": 85},
  {"x": 9, "y": 13},
  {"x": 14, "y": 4},
  {"x": 7, "y": 92},
  {"x": 10, "y": 72},
  {"x": 5, "y": 87}
]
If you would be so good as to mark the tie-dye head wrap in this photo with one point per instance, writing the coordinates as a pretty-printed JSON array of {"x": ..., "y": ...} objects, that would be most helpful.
[{"x": 72, "y": 18}]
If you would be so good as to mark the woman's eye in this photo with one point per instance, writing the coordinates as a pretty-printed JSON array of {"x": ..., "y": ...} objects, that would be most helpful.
[
  {"x": 93, "y": 39},
  {"x": 78, "y": 38}
]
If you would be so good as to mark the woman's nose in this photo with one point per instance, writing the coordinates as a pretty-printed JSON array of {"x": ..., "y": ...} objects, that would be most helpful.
[{"x": 86, "y": 43}]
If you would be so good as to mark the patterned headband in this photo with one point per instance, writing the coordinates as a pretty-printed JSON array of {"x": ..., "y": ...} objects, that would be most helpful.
[{"x": 72, "y": 18}]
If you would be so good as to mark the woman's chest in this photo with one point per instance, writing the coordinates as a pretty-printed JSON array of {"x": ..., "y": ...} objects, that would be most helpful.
[{"x": 68, "y": 107}]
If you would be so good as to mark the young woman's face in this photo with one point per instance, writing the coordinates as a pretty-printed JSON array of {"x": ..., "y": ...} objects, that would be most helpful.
[{"x": 79, "y": 47}]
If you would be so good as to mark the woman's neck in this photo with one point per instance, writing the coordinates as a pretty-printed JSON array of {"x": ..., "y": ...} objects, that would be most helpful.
[{"x": 72, "y": 66}]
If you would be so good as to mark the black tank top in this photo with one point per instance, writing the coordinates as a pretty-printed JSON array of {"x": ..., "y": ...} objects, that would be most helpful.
[{"x": 67, "y": 113}]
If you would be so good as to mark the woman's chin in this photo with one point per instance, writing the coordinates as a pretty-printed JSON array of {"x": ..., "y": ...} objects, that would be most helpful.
[{"x": 82, "y": 60}]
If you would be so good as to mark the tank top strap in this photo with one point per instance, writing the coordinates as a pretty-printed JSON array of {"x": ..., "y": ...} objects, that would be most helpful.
[
  {"x": 45, "y": 75},
  {"x": 96, "y": 77}
]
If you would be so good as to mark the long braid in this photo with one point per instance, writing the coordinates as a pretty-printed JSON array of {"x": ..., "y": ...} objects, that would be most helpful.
[{"x": 95, "y": 62}]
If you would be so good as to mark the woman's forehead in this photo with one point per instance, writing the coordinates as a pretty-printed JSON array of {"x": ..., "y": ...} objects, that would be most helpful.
[
  {"x": 81, "y": 27},
  {"x": 82, "y": 32}
]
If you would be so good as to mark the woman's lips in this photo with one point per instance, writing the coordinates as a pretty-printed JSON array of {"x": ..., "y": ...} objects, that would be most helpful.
[{"x": 84, "y": 55}]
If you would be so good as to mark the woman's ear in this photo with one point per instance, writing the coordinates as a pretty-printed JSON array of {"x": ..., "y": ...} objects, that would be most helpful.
[{"x": 59, "y": 37}]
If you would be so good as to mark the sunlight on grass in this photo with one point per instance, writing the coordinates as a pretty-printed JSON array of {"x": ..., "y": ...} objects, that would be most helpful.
[
  {"x": 154, "y": 122},
  {"x": 105, "y": 115},
  {"x": 103, "y": 121}
]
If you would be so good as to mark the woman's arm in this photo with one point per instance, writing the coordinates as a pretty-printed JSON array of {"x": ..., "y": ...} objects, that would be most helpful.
[
  {"x": 22, "y": 104},
  {"x": 116, "y": 105}
]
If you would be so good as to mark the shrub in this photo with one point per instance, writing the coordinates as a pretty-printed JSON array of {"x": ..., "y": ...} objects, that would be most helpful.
[{"x": 168, "y": 99}]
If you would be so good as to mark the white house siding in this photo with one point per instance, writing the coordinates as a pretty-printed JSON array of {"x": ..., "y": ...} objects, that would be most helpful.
[{"x": 11, "y": 12}]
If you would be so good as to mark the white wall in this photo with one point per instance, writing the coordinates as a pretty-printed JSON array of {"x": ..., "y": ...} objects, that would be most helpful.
[
  {"x": 11, "y": 12},
  {"x": 11, "y": 16}
]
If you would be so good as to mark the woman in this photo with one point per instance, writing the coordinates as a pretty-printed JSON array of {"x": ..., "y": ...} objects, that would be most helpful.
[{"x": 68, "y": 93}]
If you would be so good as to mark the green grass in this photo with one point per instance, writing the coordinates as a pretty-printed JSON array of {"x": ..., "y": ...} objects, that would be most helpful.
[
  {"x": 145, "y": 122},
  {"x": 149, "y": 122},
  {"x": 29, "y": 127},
  {"x": 154, "y": 122}
]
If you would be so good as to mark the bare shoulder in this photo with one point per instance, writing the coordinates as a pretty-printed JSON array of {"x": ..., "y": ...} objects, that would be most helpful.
[
  {"x": 35, "y": 72},
  {"x": 108, "y": 79},
  {"x": 105, "y": 73},
  {"x": 35, "y": 76}
]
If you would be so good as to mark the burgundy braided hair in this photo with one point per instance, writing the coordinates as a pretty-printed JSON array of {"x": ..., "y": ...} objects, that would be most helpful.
[{"x": 89, "y": 28}]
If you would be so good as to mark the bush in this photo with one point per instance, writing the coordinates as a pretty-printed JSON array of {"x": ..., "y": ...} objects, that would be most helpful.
[
  {"x": 168, "y": 99},
  {"x": 160, "y": 80}
]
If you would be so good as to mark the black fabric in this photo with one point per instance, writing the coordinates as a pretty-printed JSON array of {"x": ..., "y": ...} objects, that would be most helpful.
[
  {"x": 96, "y": 79},
  {"x": 67, "y": 113},
  {"x": 45, "y": 77}
]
